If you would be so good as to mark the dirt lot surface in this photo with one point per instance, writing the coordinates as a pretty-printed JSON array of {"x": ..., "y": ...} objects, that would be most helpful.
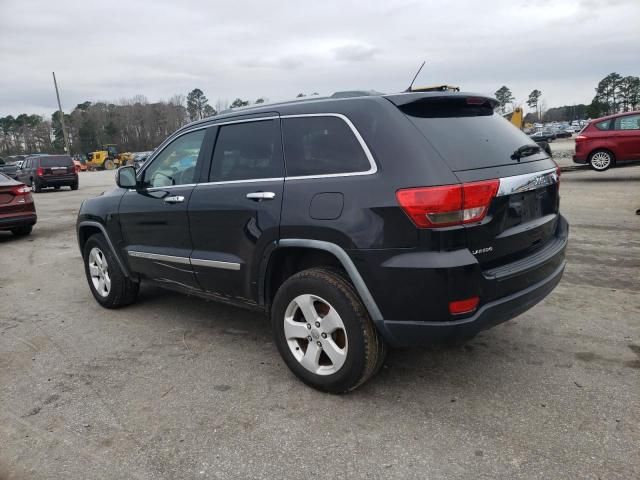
[{"x": 176, "y": 387}]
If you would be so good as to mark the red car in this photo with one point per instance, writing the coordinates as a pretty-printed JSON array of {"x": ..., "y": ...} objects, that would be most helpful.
[
  {"x": 17, "y": 210},
  {"x": 609, "y": 140}
]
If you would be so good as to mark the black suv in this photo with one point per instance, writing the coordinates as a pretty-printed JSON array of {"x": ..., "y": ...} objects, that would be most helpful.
[
  {"x": 354, "y": 223},
  {"x": 44, "y": 171}
]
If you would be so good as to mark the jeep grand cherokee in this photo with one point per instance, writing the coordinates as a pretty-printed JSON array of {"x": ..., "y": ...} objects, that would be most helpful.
[{"x": 354, "y": 223}]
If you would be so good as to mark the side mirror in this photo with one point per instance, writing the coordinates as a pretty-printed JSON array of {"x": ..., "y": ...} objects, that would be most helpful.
[{"x": 126, "y": 177}]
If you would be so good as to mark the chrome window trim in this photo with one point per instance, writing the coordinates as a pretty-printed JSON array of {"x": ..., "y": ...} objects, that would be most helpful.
[
  {"x": 251, "y": 180},
  {"x": 185, "y": 260},
  {"x": 373, "y": 166},
  {"x": 527, "y": 182},
  {"x": 372, "y": 170},
  {"x": 199, "y": 262}
]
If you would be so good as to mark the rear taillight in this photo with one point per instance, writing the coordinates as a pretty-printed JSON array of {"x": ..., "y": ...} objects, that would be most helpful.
[
  {"x": 39, "y": 172},
  {"x": 21, "y": 190},
  {"x": 448, "y": 205}
]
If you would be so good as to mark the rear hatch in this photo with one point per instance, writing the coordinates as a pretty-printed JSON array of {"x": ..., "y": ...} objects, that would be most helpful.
[
  {"x": 55, "y": 165},
  {"x": 478, "y": 144}
]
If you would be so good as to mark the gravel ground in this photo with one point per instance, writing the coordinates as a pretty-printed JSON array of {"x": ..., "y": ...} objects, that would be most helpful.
[{"x": 176, "y": 387}]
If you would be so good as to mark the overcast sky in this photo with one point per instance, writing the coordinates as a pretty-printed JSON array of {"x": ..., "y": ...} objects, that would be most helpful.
[{"x": 108, "y": 50}]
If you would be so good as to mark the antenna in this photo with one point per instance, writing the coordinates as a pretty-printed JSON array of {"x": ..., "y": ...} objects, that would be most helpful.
[{"x": 416, "y": 76}]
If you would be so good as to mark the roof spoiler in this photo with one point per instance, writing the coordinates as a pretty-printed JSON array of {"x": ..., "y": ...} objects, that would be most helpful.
[{"x": 440, "y": 97}]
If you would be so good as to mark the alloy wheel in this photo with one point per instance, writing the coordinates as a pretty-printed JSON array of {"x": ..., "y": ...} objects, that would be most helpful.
[
  {"x": 99, "y": 272},
  {"x": 316, "y": 334},
  {"x": 601, "y": 160}
]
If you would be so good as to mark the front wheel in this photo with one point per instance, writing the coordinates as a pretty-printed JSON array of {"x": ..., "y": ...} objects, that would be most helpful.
[
  {"x": 601, "y": 160},
  {"x": 108, "y": 165},
  {"x": 108, "y": 283},
  {"x": 324, "y": 333}
]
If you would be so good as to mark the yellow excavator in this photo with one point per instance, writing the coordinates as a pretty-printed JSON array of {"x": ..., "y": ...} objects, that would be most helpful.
[{"x": 108, "y": 158}]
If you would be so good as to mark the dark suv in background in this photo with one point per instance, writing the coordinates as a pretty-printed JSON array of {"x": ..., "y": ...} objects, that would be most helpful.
[
  {"x": 354, "y": 223},
  {"x": 48, "y": 171}
]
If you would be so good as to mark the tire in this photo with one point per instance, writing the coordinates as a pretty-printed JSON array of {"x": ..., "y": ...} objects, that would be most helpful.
[
  {"x": 345, "y": 329},
  {"x": 57, "y": 187},
  {"x": 22, "y": 231},
  {"x": 74, "y": 186},
  {"x": 108, "y": 165},
  {"x": 601, "y": 160},
  {"x": 35, "y": 186},
  {"x": 116, "y": 290}
]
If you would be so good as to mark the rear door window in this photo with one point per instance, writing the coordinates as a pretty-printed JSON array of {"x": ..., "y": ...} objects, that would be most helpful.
[
  {"x": 630, "y": 122},
  {"x": 247, "y": 151},
  {"x": 466, "y": 135},
  {"x": 321, "y": 145}
]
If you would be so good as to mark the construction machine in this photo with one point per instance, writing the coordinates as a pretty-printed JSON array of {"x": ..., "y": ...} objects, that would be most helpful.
[{"x": 108, "y": 158}]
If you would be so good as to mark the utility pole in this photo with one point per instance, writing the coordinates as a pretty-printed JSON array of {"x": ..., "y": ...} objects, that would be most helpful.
[{"x": 64, "y": 130}]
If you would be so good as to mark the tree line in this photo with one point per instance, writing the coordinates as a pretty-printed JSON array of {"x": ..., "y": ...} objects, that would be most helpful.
[
  {"x": 614, "y": 94},
  {"x": 133, "y": 124}
]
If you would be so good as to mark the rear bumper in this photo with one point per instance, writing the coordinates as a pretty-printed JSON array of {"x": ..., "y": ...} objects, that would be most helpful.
[
  {"x": 57, "y": 180},
  {"x": 14, "y": 221},
  {"x": 401, "y": 333},
  {"x": 415, "y": 306}
]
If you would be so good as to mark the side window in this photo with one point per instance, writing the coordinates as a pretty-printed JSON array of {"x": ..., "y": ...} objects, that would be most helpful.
[
  {"x": 606, "y": 125},
  {"x": 321, "y": 146},
  {"x": 631, "y": 122},
  {"x": 247, "y": 151},
  {"x": 176, "y": 164}
]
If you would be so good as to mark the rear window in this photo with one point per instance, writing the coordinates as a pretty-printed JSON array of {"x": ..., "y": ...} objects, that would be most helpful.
[
  {"x": 468, "y": 136},
  {"x": 55, "y": 162},
  {"x": 606, "y": 125},
  {"x": 322, "y": 145}
]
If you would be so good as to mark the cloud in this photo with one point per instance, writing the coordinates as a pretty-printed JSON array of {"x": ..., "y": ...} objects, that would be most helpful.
[
  {"x": 251, "y": 48},
  {"x": 354, "y": 52}
]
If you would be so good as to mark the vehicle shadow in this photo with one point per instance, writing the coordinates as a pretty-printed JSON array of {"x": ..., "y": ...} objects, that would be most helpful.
[{"x": 447, "y": 367}]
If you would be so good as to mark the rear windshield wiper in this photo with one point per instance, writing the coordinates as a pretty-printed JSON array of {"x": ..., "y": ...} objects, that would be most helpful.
[{"x": 525, "y": 151}]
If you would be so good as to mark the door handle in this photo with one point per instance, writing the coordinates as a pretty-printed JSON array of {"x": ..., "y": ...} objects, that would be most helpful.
[
  {"x": 259, "y": 196},
  {"x": 174, "y": 199}
]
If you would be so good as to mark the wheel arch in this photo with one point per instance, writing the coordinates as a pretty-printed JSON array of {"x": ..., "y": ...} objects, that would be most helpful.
[
  {"x": 305, "y": 253},
  {"x": 87, "y": 228}
]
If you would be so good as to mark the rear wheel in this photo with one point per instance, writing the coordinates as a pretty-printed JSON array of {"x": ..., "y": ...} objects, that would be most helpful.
[
  {"x": 74, "y": 186},
  {"x": 601, "y": 160},
  {"x": 22, "y": 231},
  {"x": 35, "y": 185},
  {"x": 324, "y": 332},
  {"x": 108, "y": 283}
]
